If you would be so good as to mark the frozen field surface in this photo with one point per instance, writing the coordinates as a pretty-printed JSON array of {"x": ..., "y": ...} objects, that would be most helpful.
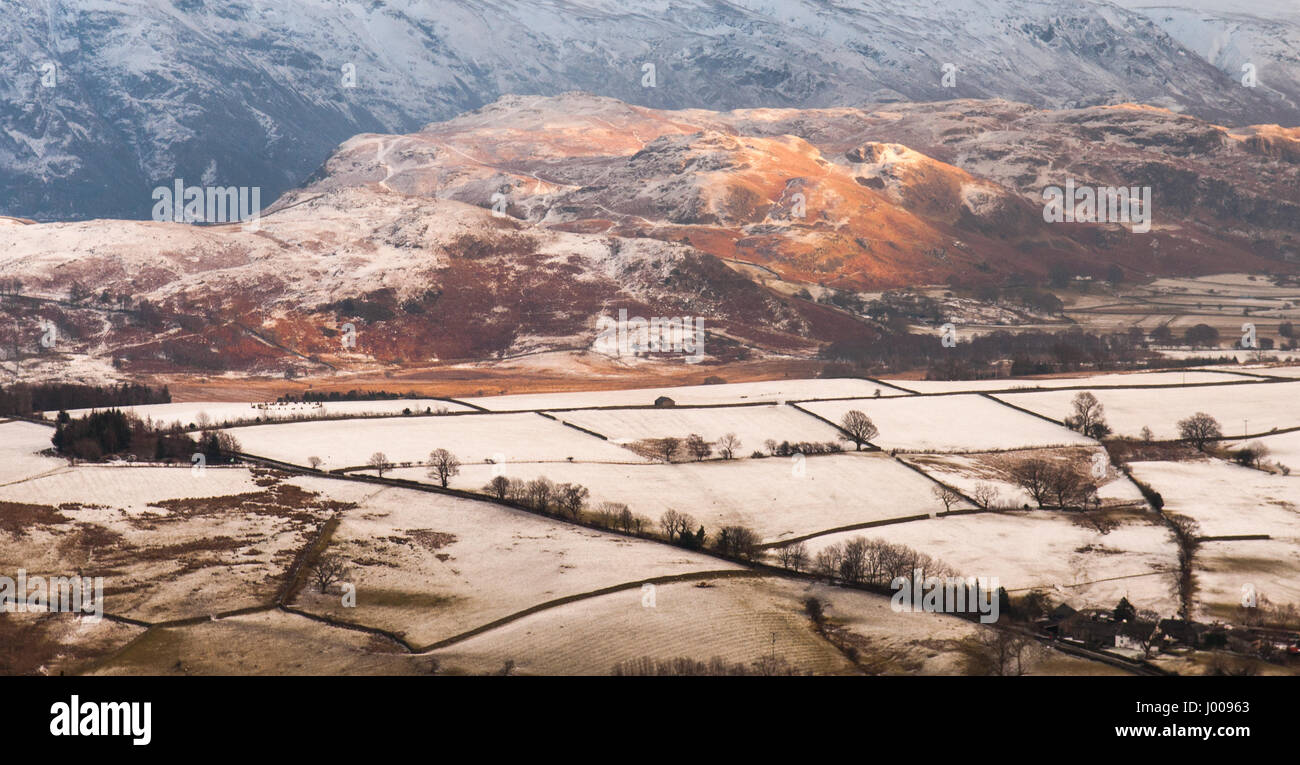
[
  {"x": 967, "y": 472},
  {"x": 1227, "y": 499},
  {"x": 473, "y": 438},
  {"x": 20, "y": 444},
  {"x": 753, "y": 425},
  {"x": 1105, "y": 380},
  {"x": 1283, "y": 449},
  {"x": 726, "y": 393},
  {"x": 131, "y": 488},
  {"x": 1050, "y": 551},
  {"x": 779, "y": 497},
  {"x": 431, "y": 566},
  {"x": 963, "y": 422},
  {"x": 225, "y": 412},
  {"x": 1259, "y": 406},
  {"x": 736, "y": 620},
  {"x": 264, "y": 643},
  {"x": 1226, "y": 571},
  {"x": 168, "y": 544}
]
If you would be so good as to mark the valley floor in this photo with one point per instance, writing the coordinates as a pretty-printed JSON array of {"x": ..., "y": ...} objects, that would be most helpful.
[{"x": 214, "y": 569}]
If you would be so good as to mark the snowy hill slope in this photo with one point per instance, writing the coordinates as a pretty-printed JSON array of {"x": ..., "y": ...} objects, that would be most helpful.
[{"x": 111, "y": 98}]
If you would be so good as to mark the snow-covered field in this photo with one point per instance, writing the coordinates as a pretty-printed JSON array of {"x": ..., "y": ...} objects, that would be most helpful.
[
  {"x": 1274, "y": 371},
  {"x": 1027, "y": 550},
  {"x": 949, "y": 423},
  {"x": 176, "y": 543},
  {"x": 170, "y": 545},
  {"x": 779, "y": 497},
  {"x": 496, "y": 561},
  {"x": 726, "y": 393},
  {"x": 129, "y": 488},
  {"x": 1227, "y": 499},
  {"x": 737, "y": 620},
  {"x": 472, "y": 437},
  {"x": 1258, "y": 406},
  {"x": 967, "y": 472},
  {"x": 1227, "y": 571},
  {"x": 752, "y": 424},
  {"x": 1283, "y": 449},
  {"x": 1105, "y": 380},
  {"x": 263, "y": 643},
  {"x": 228, "y": 413},
  {"x": 20, "y": 444}
]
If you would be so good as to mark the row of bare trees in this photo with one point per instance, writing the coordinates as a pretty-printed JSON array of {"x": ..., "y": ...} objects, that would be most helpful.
[
  {"x": 732, "y": 541},
  {"x": 1054, "y": 484},
  {"x": 541, "y": 494},
  {"x": 694, "y": 446},
  {"x": 862, "y": 561}
]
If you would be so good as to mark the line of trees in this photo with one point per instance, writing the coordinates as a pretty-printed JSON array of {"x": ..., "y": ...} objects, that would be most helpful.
[
  {"x": 693, "y": 446},
  {"x": 1054, "y": 484},
  {"x": 543, "y": 495},
  {"x": 732, "y": 541},
  {"x": 114, "y": 433},
  {"x": 788, "y": 448},
  {"x": 867, "y": 561},
  {"x": 27, "y": 399}
]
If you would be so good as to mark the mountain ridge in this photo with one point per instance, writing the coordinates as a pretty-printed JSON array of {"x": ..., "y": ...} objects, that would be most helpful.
[{"x": 139, "y": 100}]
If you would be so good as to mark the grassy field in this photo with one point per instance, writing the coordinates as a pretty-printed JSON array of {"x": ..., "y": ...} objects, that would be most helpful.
[{"x": 779, "y": 497}]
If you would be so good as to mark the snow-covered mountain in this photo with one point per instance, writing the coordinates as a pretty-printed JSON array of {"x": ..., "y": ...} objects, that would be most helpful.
[
  {"x": 104, "y": 100},
  {"x": 511, "y": 230},
  {"x": 1259, "y": 40}
]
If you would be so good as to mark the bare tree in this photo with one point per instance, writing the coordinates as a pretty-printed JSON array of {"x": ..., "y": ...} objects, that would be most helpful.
[
  {"x": 853, "y": 562},
  {"x": 1033, "y": 475},
  {"x": 1089, "y": 416},
  {"x": 609, "y": 514},
  {"x": 1200, "y": 429},
  {"x": 539, "y": 493},
  {"x": 572, "y": 498},
  {"x": 737, "y": 541},
  {"x": 986, "y": 495},
  {"x": 443, "y": 465},
  {"x": 1064, "y": 485},
  {"x": 498, "y": 486},
  {"x": 858, "y": 428},
  {"x": 793, "y": 557},
  {"x": 314, "y": 462},
  {"x": 330, "y": 568},
  {"x": 1144, "y": 630},
  {"x": 698, "y": 447},
  {"x": 1251, "y": 455},
  {"x": 667, "y": 447},
  {"x": 728, "y": 445},
  {"x": 380, "y": 462},
  {"x": 945, "y": 495},
  {"x": 827, "y": 562},
  {"x": 993, "y": 651},
  {"x": 675, "y": 524},
  {"x": 637, "y": 523}
]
